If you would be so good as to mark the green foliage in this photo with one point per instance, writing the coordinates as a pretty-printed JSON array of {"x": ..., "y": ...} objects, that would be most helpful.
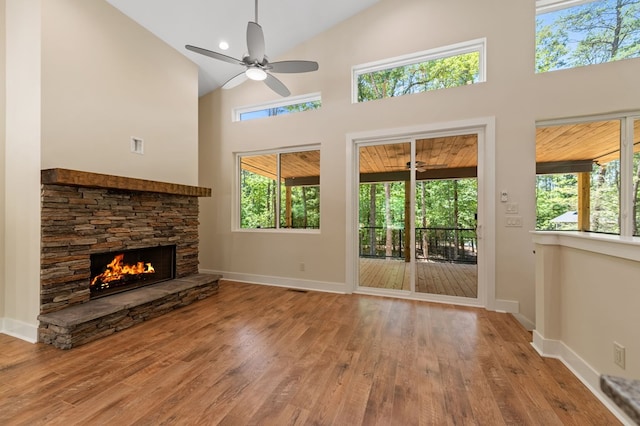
[
  {"x": 421, "y": 77},
  {"x": 593, "y": 33},
  {"x": 438, "y": 200},
  {"x": 396, "y": 204},
  {"x": 441, "y": 197},
  {"x": 257, "y": 201},
  {"x": 555, "y": 195},
  {"x": 558, "y": 194},
  {"x": 305, "y": 207},
  {"x": 551, "y": 47}
]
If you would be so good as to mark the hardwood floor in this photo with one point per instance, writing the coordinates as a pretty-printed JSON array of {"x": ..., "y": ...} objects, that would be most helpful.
[
  {"x": 431, "y": 277},
  {"x": 271, "y": 356}
]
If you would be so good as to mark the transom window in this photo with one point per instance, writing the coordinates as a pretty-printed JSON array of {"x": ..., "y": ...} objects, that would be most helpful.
[
  {"x": 450, "y": 66},
  {"x": 281, "y": 107},
  {"x": 280, "y": 189},
  {"x": 574, "y": 33}
]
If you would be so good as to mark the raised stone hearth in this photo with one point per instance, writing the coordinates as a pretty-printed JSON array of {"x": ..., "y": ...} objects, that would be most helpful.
[
  {"x": 99, "y": 318},
  {"x": 88, "y": 213}
]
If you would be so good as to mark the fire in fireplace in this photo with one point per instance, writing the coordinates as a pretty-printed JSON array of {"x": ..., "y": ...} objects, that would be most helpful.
[{"x": 115, "y": 272}]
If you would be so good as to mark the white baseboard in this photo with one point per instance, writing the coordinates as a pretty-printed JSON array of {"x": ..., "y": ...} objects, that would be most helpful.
[
  {"x": 580, "y": 368},
  {"x": 299, "y": 284},
  {"x": 18, "y": 329},
  {"x": 510, "y": 306}
]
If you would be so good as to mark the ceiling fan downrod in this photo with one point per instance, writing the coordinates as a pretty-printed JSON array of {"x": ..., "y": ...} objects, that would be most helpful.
[{"x": 256, "y": 21}]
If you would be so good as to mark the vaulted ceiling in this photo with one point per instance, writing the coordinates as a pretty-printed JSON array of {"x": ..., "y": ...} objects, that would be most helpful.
[{"x": 205, "y": 23}]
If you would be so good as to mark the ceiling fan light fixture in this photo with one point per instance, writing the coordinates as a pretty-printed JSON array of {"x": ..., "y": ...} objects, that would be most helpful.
[{"x": 257, "y": 74}]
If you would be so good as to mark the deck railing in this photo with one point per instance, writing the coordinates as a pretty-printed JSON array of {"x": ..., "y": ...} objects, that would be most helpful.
[{"x": 458, "y": 245}]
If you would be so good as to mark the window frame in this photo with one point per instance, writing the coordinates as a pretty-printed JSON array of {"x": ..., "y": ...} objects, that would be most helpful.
[
  {"x": 625, "y": 208},
  {"x": 477, "y": 45},
  {"x": 547, "y": 6},
  {"x": 236, "y": 225},
  {"x": 236, "y": 112}
]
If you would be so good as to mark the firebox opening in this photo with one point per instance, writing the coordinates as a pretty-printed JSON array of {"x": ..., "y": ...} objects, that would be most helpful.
[{"x": 124, "y": 270}]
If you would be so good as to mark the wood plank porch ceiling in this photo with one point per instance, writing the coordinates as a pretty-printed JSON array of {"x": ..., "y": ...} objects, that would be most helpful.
[{"x": 594, "y": 141}]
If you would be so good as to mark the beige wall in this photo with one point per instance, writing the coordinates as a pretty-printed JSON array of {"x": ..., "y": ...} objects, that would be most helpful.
[
  {"x": 599, "y": 305},
  {"x": 81, "y": 80},
  {"x": 587, "y": 301},
  {"x": 513, "y": 94},
  {"x": 3, "y": 111},
  {"x": 22, "y": 166},
  {"x": 106, "y": 79}
]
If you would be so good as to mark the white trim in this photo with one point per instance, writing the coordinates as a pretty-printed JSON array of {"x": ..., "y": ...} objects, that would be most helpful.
[
  {"x": 547, "y": 6},
  {"x": 526, "y": 322},
  {"x": 580, "y": 368},
  {"x": 485, "y": 127},
  {"x": 478, "y": 45},
  {"x": 295, "y": 283},
  {"x": 587, "y": 118},
  {"x": 510, "y": 306},
  {"x": 610, "y": 245},
  {"x": 291, "y": 100},
  {"x": 18, "y": 329}
]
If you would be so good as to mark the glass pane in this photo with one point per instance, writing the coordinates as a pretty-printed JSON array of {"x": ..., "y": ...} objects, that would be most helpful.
[
  {"x": 280, "y": 110},
  {"x": 300, "y": 190},
  {"x": 452, "y": 71},
  {"x": 592, "y": 33},
  {"x": 578, "y": 177},
  {"x": 384, "y": 252},
  {"x": 446, "y": 216},
  {"x": 258, "y": 191},
  {"x": 605, "y": 195}
]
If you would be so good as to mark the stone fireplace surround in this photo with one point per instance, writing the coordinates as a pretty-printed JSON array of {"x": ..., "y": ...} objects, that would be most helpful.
[{"x": 86, "y": 213}]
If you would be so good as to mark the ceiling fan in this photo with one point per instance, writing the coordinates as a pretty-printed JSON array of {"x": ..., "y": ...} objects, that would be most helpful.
[
  {"x": 256, "y": 63},
  {"x": 421, "y": 166}
]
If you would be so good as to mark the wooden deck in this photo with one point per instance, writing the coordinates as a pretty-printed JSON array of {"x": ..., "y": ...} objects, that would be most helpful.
[{"x": 431, "y": 277}]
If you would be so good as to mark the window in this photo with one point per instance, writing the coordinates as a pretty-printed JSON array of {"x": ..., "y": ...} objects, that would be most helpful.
[
  {"x": 288, "y": 106},
  {"x": 574, "y": 33},
  {"x": 450, "y": 66},
  {"x": 280, "y": 190},
  {"x": 588, "y": 175}
]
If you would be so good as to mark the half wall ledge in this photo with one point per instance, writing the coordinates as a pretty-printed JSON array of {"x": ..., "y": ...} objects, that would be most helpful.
[{"x": 102, "y": 181}]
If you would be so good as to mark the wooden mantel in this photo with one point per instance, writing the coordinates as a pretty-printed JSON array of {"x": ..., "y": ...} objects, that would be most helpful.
[{"x": 97, "y": 180}]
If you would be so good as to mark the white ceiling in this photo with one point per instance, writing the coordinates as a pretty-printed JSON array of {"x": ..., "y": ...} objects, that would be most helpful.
[{"x": 204, "y": 23}]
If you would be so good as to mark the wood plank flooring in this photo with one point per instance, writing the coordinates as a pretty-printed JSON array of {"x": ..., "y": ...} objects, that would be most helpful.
[
  {"x": 431, "y": 277},
  {"x": 257, "y": 355}
]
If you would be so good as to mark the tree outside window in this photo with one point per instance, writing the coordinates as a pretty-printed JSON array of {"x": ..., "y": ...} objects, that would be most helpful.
[{"x": 593, "y": 33}]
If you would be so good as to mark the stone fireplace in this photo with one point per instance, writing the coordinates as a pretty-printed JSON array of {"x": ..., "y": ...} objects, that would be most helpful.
[{"x": 93, "y": 227}]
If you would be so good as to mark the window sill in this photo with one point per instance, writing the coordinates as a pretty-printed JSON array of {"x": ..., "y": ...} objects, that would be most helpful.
[
  {"x": 277, "y": 231},
  {"x": 610, "y": 245}
]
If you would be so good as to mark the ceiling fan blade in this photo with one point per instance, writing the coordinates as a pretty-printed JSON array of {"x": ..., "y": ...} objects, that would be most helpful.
[
  {"x": 293, "y": 66},
  {"x": 214, "y": 55},
  {"x": 277, "y": 86},
  {"x": 235, "y": 81},
  {"x": 255, "y": 43}
]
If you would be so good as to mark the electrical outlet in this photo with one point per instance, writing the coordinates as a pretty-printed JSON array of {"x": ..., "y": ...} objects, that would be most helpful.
[
  {"x": 301, "y": 266},
  {"x": 618, "y": 354}
]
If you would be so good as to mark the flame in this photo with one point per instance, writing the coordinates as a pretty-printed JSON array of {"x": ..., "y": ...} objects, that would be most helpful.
[{"x": 116, "y": 270}]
